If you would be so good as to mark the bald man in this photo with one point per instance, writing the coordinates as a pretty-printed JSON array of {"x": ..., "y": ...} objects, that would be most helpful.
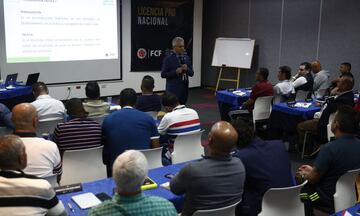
[
  {"x": 216, "y": 180},
  {"x": 23, "y": 194},
  {"x": 321, "y": 79},
  {"x": 43, "y": 155}
]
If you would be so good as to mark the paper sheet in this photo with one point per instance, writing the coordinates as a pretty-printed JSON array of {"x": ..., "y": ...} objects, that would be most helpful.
[{"x": 86, "y": 200}]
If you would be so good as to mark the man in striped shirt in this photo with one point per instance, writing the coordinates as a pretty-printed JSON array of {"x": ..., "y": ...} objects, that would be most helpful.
[
  {"x": 22, "y": 194},
  {"x": 78, "y": 133},
  {"x": 43, "y": 158},
  {"x": 179, "y": 120}
]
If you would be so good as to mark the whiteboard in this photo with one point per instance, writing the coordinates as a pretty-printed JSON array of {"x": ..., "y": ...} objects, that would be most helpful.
[{"x": 233, "y": 52}]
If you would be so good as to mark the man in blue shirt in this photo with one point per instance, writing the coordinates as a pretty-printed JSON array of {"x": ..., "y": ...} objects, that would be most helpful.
[
  {"x": 5, "y": 117},
  {"x": 176, "y": 69},
  {"x": 126, "y": 129},
  {"x": 334, "y": 159},
  {"x": 267, "y": 166},
  {"x": 148, "y": 101}
]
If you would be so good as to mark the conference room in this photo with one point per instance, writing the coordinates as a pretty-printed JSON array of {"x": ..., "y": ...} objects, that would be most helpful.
[{"x": 191, "y": 107}]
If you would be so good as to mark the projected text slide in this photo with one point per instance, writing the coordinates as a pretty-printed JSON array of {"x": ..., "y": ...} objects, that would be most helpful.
[{"x": 60, "y": 30}]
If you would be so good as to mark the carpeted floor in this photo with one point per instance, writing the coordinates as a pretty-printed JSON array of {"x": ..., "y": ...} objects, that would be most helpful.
[{"x": 204, "y": 102}]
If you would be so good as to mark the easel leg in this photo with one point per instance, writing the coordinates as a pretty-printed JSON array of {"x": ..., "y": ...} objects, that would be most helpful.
[
  {"x": 238, "y": 78},
  {"x": 218, "y": 81}
]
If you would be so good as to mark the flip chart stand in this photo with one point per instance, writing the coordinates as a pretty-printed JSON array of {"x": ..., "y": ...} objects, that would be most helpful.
[{"x": 220, "y": 78}]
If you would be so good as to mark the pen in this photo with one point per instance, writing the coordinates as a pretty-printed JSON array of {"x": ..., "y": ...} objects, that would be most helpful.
[{"x": 70, "y": 207}]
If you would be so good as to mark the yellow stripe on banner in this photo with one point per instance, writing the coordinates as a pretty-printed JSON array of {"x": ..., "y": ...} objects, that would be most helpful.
[{"x": 314, "y": 194}]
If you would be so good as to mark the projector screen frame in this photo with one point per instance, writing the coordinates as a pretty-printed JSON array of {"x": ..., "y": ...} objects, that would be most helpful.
[{"x": 3, "y": 61}]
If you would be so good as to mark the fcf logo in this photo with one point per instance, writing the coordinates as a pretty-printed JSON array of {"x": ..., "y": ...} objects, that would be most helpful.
[{"x": 141, "y": 53}]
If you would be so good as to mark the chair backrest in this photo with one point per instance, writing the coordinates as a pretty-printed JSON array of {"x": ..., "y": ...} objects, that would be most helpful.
[
  {"x": 5, "y": 131},
  {"x": 283, "y": 201},
  {"x": 187, "y": 147},
  {"x": 330, "y": 134},
  {"x": 83, "y": 166},
  {"x": 345, "y": 195},
  {"x": 262, "y": 108},
  {"x": 320, "y": 93},
  {"x": 52, "y": 180},
  {"x": 153, "y": 114},
  {"x": 225, "y": 211},
  {"x": 153, "y": 157},
  {"x": 301, "y": 95},
  {"x": 47, "y": 127},
  {"x": 98, "y": 119}
]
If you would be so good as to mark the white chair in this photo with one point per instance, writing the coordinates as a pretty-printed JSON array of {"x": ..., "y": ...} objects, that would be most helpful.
[
  {"x": 330, "y": 134},
  {"x": 153, "y": 114},
  {"x": 225, "y": 211},
  {"x": 47, "y": 127},
  {"x": 262, "y": 109},
  {"x": 5, "y": 131},
  {"x": 283, "y": 202},
  {"x": 52, "y": 180},
  {"x": 345, "y": 195},
  {"x": 83, "y": 166},
  {"x": 187, "y": 147},
  {"x": 301, "y": 95},
  {"x": 278, "y": 99},
  {"x": 153, "y": 157},
  {"x": 98, "y": 119},
  {"x": 320, "y": 93}
]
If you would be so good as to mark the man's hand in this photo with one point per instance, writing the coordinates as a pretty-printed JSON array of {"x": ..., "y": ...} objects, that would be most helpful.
[
  {"x": 304, "y": 171},
  {"x": 179, "y": 70},
  {"x": 184, "y": 67}
]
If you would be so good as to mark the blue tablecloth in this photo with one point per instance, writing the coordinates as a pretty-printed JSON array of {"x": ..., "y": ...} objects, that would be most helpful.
[
  {"x": 305, "y": 113},
  {"x": 107, "y": 186},
  {"x": 230, "y": 98},
  {"x": 351, "y": 210},
  {"x": 16, "y": 92}
]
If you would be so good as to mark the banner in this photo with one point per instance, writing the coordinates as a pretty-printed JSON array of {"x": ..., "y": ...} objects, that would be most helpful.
[{"x": 153, "y": 26}]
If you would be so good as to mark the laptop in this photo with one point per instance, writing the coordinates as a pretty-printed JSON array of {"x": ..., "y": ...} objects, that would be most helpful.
[
  {"x": 11, "y": 77},
  {"x": 32, "y": 78}
]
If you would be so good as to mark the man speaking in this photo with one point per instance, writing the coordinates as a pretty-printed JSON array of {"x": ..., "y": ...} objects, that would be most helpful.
[{"x": 176, "y": 69}]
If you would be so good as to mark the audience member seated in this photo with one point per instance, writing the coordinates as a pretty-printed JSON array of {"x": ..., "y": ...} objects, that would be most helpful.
[
  {"x": 216, "y": 180},
  {"x": 22, "y": 194},
  {"x": 42, "y": 155},
  {"x": 334, "y": 159},
  {"x": 5, "y": 117},
  {"x": 267, "y": 166},
  {"x": 93, "y": 105},
  {"x": 79, "y": 132},
  {"x": 303, "y": 80},
  {"x": 318, "y": 125},
  {"x": 262, "y": 88},
  {"x": 284, "y": 88},
  {"x": 126, "y": 129},
  {"x": 48, "y": 108},
  {"x": 321, "y": 79},
  {"x": 345, "y": 68},
  {"x": 178, "y": 120},
  {"x": 129, "y": 172},
  {"x": 148, "y": 101}
]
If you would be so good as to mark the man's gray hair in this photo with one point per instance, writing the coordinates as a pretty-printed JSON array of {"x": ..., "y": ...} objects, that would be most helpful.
[
  {"x": 129, "y": 171},
  {"x": 11, "y": 148},
  {"x": 176, "y": 40}
]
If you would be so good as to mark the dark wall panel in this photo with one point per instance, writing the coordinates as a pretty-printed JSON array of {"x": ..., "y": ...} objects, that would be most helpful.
[
  {"x": 300, "y": 32},
  {"x": 226, "y": 18},
  {"x": 340, "y": 36},
  {"x": 265, "y": 29}
]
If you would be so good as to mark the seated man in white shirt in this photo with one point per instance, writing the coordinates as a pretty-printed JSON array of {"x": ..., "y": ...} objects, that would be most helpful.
[
  {"x": 178, "y": 120},
  {"x": 284, "y": 87},
  {"x": 93, "y": 104},
  {"x": 42, "y": 155},
  {"x": 303, "y": 80},
  {"x": 48, "y": 108},
  {"x": 20, "y": 193}
]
